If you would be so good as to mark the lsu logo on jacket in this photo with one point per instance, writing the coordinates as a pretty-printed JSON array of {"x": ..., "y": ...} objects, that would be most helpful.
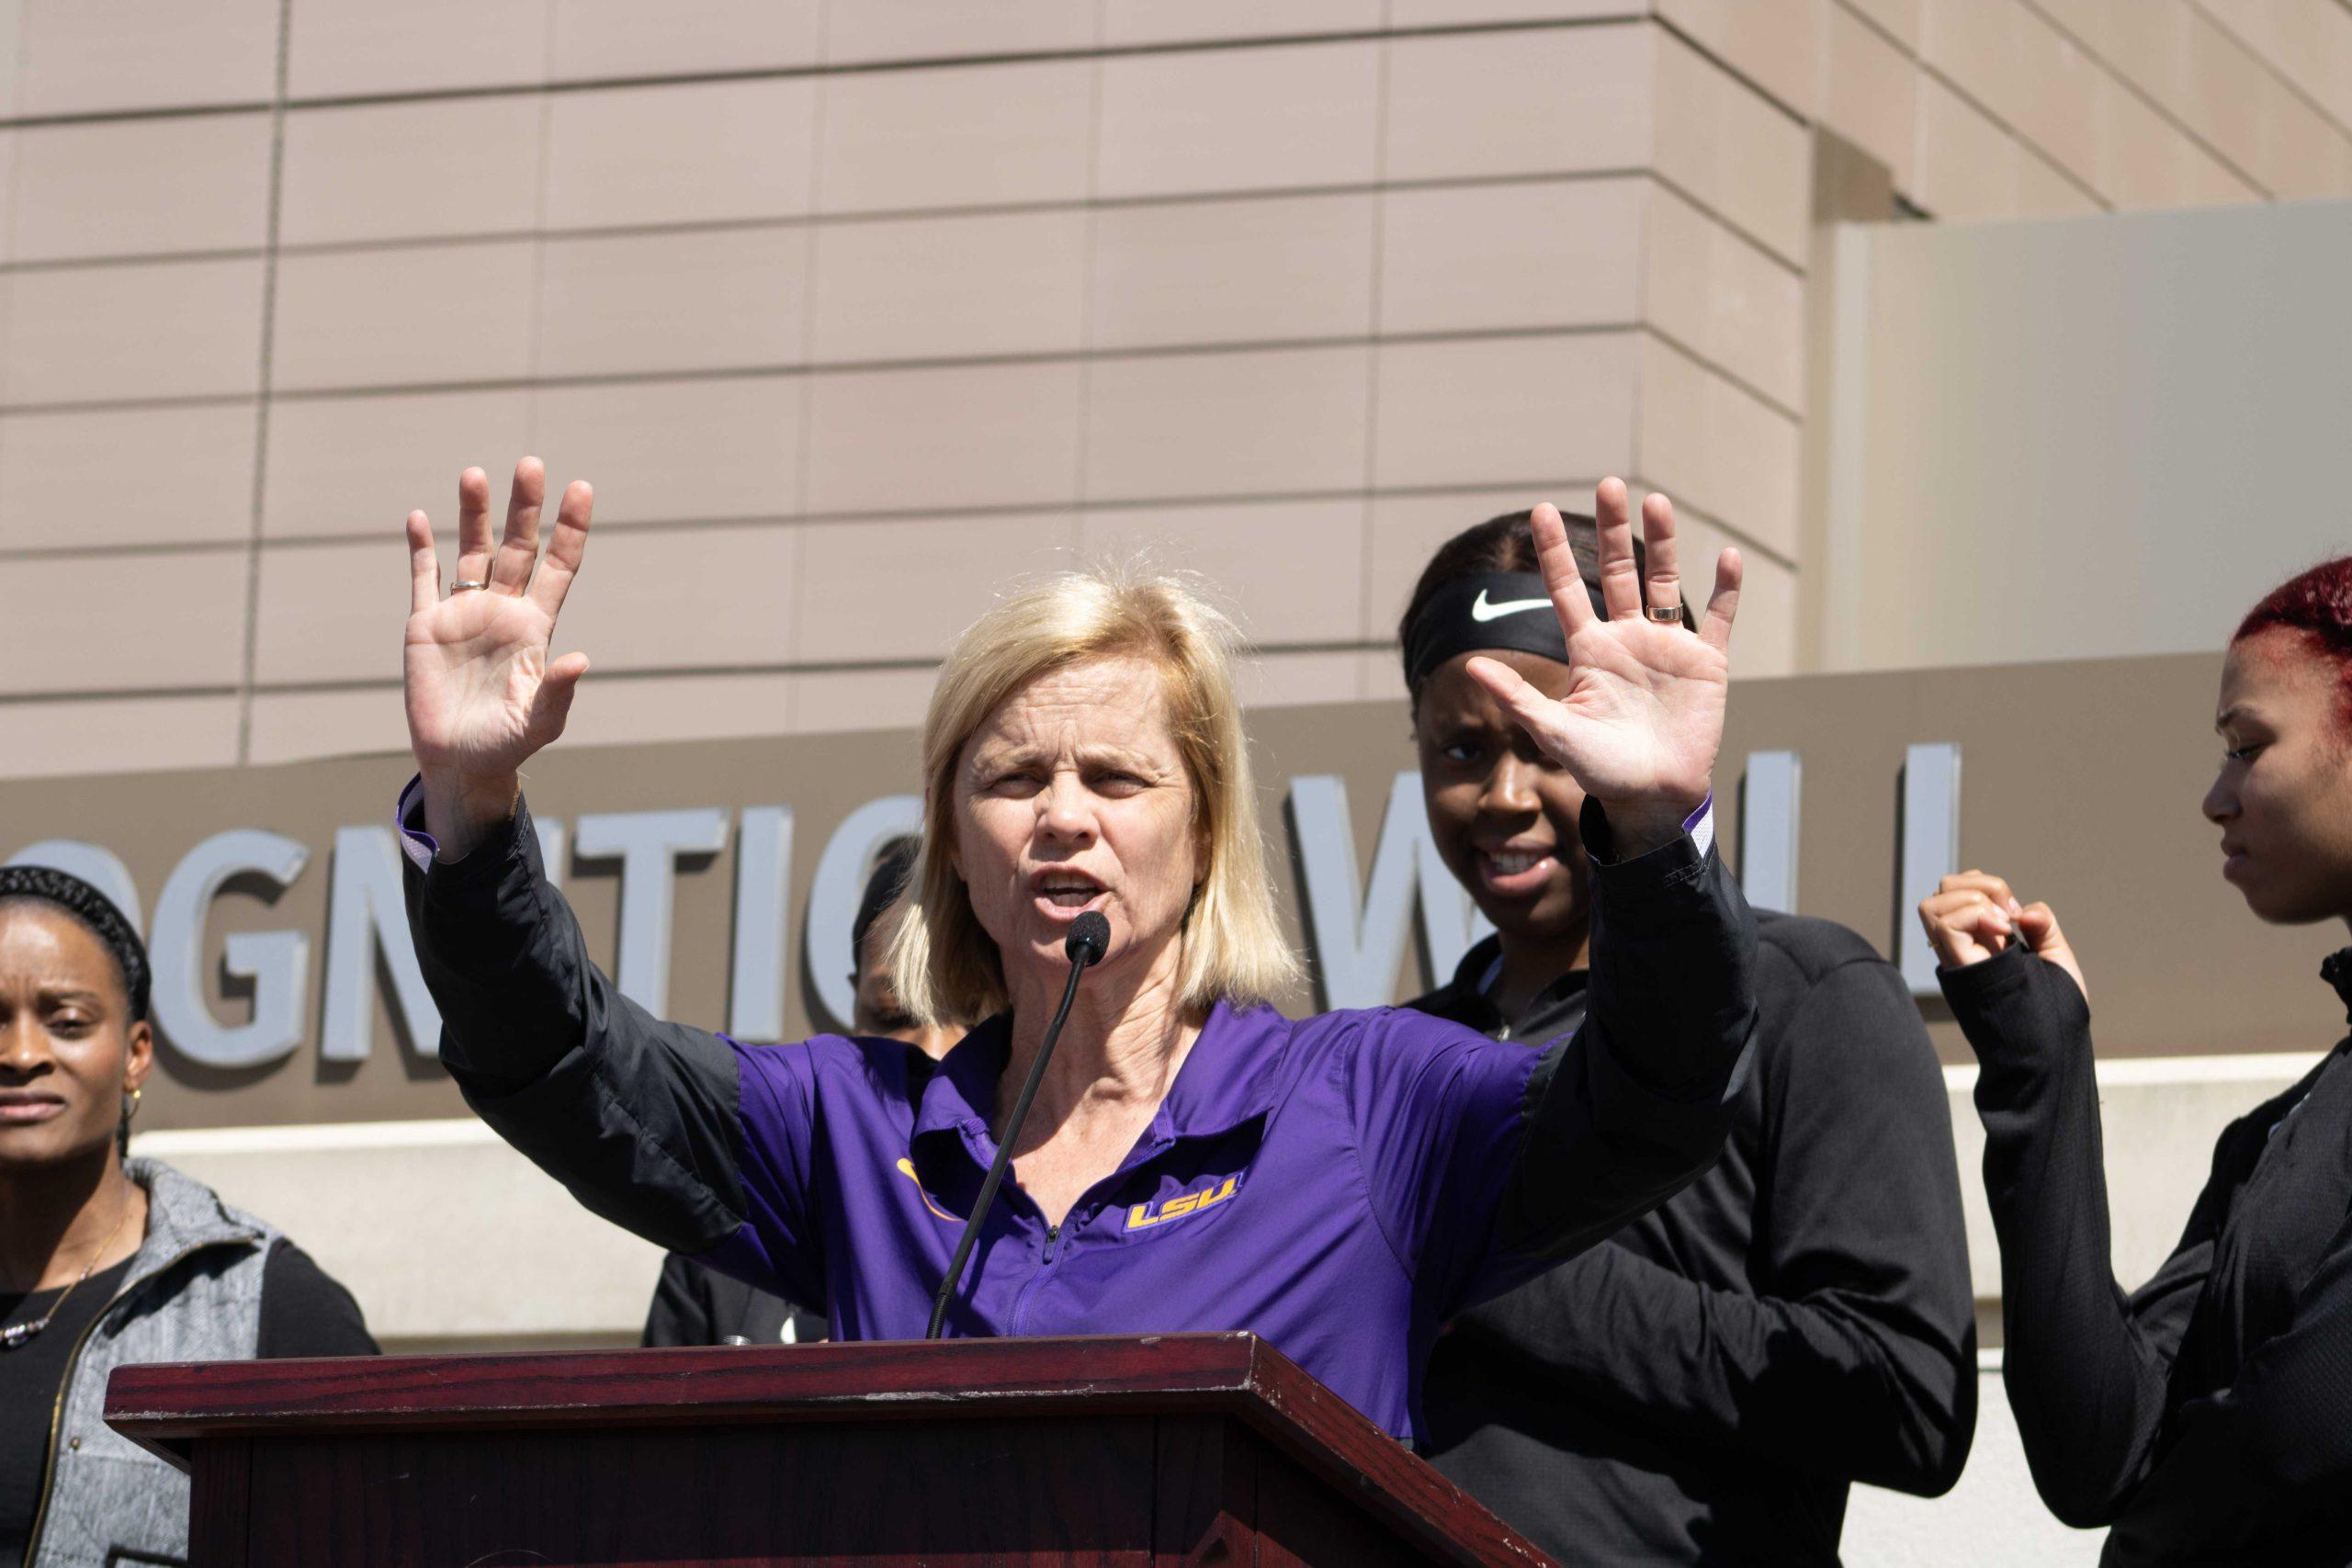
[{"x": 1144, "y": 1215}]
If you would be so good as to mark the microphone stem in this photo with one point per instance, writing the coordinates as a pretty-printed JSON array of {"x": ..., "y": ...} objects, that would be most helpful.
[{"x": 1003, "y": 1155}]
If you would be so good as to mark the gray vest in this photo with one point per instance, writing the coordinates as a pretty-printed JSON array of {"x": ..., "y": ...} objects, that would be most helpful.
[{"x": 193, "y": 1294}]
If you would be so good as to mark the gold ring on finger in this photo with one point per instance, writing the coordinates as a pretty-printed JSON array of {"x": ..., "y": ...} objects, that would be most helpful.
[
  {"x": 1665, "y": 614},
  {"x": 458, "y": 588}
]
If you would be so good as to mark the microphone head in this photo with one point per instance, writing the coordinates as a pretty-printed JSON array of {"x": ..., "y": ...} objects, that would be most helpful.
[{"x": 1090, "y": 938}]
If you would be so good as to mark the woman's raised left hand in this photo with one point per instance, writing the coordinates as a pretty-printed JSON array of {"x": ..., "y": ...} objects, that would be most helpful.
[{"x": 1643, "y": 718}]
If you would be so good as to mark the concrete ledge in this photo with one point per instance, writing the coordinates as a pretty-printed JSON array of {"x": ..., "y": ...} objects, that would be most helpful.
[
  {"x": 445, "y": 1233},
  {"x": 446, "y": 1236}
]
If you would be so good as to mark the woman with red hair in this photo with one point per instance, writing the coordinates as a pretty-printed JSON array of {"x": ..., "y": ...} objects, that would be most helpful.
[{"x": 2208, "y": 1415}]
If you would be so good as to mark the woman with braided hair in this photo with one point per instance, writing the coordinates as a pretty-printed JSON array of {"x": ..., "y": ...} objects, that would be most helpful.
[{"x": 107, "y": 1260}]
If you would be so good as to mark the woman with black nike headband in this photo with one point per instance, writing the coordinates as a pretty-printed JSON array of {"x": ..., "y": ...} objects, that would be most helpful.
[
  {"x": 1341, "y": 1185},
  {"x": 1704, "y": 1386}
]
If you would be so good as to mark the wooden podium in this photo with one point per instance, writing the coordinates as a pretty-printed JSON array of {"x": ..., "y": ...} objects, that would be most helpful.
[{"x": 1164, "y": 1450}]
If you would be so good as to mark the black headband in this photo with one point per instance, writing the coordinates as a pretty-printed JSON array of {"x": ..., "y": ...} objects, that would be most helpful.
[{"x": 1485, "y": 612}]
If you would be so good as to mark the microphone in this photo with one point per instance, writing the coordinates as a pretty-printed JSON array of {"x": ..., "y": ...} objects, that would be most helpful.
[{"x": 1089, "y": 937}]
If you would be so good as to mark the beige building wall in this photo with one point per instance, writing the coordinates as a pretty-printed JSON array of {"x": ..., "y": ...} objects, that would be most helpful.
[{"x": 855, "y": 310}]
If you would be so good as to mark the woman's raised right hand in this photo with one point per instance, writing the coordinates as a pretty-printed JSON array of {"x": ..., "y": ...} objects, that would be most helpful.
[
  {"x": 482, "y": 695},
  {"x": 1973, "y": 915}
]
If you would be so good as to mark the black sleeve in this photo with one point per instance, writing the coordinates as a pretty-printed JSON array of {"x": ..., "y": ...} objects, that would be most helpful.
[
  {"x": 681, "y": 1313},
  {"x": 636, "y": 1116},
  {"x": 1636, "y": 1103},
  {"x": 304, "y": 1313},
  {"x": 2271, "y": 1454},
  {"x": 1857, "y": 1359},
  {"x": 2086, "y": 1366}
]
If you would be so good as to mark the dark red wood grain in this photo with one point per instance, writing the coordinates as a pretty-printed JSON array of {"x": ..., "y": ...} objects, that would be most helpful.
[{"x": 1235, "y": 1438}]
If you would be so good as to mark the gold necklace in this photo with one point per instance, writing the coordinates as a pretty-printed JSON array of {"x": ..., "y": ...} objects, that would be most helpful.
[{"x": 16, "y": 1333}]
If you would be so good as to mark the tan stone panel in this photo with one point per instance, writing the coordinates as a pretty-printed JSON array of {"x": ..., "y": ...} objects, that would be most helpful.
[
  {"x": 2228, "y": 94},
  {"x": 324, "y": 610},
  {"x": 7, "y": 160},
  {"x": 115, "y": 735},
  {"x": 2302, "y": 155},
  {"x": 1260, "y": 269},
  {"x": 142, "y": 186},
  {"x": 294, "y": 727},
  {"x": 1967, "y": 165},
  {"x": 1712, "y": 290},
  {"x": 122, "y": 622},
  {"x": 2045, "y": 191},
  {"x": 1296, "y": 678},
  {"x": 1869, "y": 91},
  {"x": 395, "y": 171},
  {"x": 2059, "y": 89},
  {"x": 870, "y": 31},
  {"x": 1243, "y": 424},
  {"x": 662, "y": 598},
  {"x": 120, "y": 735},
  {"x": 349, "y": 47},
  {"x": 1972, "y": 44},
  {"x": 1731, "y": 149},
  {"x": 828, "y": 702},
  {"x": 358, "y": 465},
  {"x": 677, "y": 451},
  {"x": 2147, "y": 43},
  {"x": 2152, "y": 161},
  {"x": 1287, "y": 571},
  {"x": 2309, "y": 42},
  {"x": 2087, "y": 22},
  {"x": 694, "y": 300},
  {"x": 1899, "y": 19},
  {"x": 649, "y": 709},
  {"x": 457, "y": 312},
  {"x": 683, "y": 152},
  {"x": 137, "y": 476},
  {"x": 958, "y": 136},
  {"x": 72, "y": 57},
  {"x": 2212, "y": 182},
  {"x": 950, "y": 286},
  {"x": 596, "y": 40},
  {"x": 907, "y": 588},
  {"x": 1291, "y": 114},
  {"x": 1764, "y": 635},
  {"x": 952, "y": 436},
  {"x": 1126, "y": 23},
  {"x": 1456, "y": 12},
  {"x": 1704, "y": 441},
  {"x": 142, "y": 329},
  {"x": 1472, "y": 105},
  {"x": 1505, "y": 411},
  {"x": 1487, "y": 257},
  {"x": 1406, "y": 531},
  {"x": 1774, "y": 43}
]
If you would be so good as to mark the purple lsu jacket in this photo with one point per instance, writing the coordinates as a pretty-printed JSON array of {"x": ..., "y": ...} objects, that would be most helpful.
[{"x": 1339, "y": 1185}]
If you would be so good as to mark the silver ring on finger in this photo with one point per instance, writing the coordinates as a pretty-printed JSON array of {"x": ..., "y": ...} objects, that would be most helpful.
[
  {"x": 1665, "y": 614},
  {"x": 469, "y": 586}
]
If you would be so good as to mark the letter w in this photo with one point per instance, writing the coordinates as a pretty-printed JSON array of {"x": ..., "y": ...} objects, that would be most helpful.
[{"x": 1357, "y": 940}]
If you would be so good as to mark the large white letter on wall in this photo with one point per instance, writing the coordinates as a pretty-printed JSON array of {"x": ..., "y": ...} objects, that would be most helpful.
[
  {"x": 1357, "y": 939},
  {"x": 648, "y": 845},
  {"x": 1930, "y": 852},
  {"x": 94, "y": 864},
  {"x": 274, "y": 962},
  {"x": 365, "y": 912},
  {"x": 762, "y": 883}
]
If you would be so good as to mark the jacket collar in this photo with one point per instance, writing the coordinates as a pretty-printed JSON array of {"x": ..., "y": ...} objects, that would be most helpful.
[
  {"x": 1232, "y": 1076},
  {"x": 2336, "y": 970},
  {"x": 183, "y": 1216}
]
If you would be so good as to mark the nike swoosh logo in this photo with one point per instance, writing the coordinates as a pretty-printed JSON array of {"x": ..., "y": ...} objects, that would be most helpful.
[{"x": 1482, "y": 611}]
